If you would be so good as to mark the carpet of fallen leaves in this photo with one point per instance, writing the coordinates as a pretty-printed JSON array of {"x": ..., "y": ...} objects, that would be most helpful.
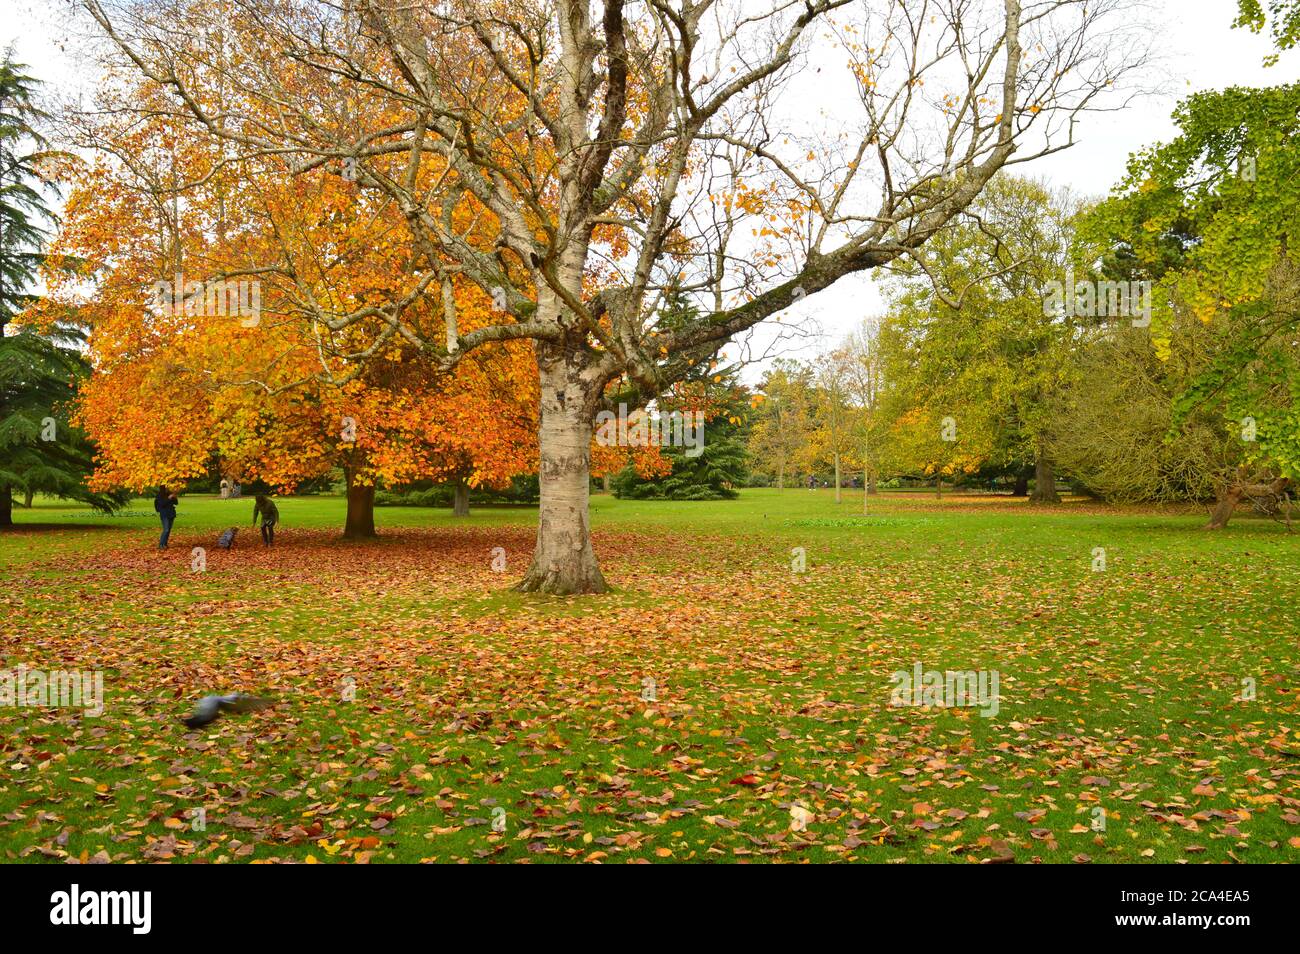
[{"x": 716, "y": 706}]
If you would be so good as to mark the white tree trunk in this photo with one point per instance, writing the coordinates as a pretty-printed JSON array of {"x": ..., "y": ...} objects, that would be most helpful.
[{"x": 563, "y": 560}]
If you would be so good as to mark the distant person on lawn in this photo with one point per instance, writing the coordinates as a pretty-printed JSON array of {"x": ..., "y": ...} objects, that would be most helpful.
[
  {"x": 165, "y": 505},
  {"x": 263, "y": 505}
]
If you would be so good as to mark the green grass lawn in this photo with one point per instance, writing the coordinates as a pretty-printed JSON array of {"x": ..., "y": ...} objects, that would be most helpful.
[{"x": 419, "y": 699}]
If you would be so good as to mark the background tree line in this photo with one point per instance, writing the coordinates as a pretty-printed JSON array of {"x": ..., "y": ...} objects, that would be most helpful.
[
  {"x": 370, "y": 304},
  {"x": 977, "y": 375}
]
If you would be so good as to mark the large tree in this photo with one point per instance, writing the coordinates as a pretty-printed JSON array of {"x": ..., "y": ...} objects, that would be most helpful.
[
  {"x": 212, "y": 384},
  {"x": 863, "y": 375},
  {"x": 40, "y": 452},
  {"x": 980, "y": 337},
  {"x": 1113, "y": 423},
  {"x": 832, "y": 436},
  {"x": 1210, "y": 218},
  {"x": 622, "y": 148},
  {"x": 783, "y": 421}
]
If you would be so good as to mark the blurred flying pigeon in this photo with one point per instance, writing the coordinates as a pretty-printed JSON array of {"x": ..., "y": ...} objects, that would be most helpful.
[{"x": 210, "y": 707}]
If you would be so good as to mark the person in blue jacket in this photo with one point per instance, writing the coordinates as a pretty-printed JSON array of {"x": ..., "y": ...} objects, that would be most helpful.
[{"x": 165, "y": 504}]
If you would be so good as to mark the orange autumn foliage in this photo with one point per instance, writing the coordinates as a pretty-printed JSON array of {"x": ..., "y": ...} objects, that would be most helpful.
[{"x": 178, "y": 381}]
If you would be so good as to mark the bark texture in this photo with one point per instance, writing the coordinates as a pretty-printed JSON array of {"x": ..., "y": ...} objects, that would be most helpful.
[
  {"x": 360, "y": 522},
  {"x": 1044, "y": 481},
  {"x": 1224, "y": 506},
  {"x": 563, "y": 560},
  {"x": 1231, "y": 494}
]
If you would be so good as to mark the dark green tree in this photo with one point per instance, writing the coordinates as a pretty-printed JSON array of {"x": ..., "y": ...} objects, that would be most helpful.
[
  {"x": 40, "y": 451},
  {"x": 714, "y": 470}
]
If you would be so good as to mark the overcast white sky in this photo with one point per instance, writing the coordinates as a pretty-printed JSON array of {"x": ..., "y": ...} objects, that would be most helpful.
[{"x": 1199, "y": 51}]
